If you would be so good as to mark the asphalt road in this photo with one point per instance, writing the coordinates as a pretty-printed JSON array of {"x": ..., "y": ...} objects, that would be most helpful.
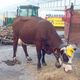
[
  {"x": 23, "y": 71},
  {"x": 16, "y": 72},
  {"x": 28, "y": 71}
]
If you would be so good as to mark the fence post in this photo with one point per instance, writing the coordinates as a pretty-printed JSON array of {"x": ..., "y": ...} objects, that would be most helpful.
[{"x": 70, "y": 25}]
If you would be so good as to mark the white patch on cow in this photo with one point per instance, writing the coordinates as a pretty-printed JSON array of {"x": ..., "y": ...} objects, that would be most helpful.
[
  {"x": 60, "y": 61},
  {"x": 70, "y": 59},
  {"x": 67, "y": 67},
  {"x": 19, "y": 41},
  {"x": 64, "y": 49}
]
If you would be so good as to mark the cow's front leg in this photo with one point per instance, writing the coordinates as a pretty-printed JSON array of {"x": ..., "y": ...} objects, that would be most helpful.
[
  {"x": 26, "y": 53},
  {"x": 57, "y": 56},
  {"x": 43, "y": 57},
  {"x": 57, "y": 64},
  {"x": 15, "y": 42}
]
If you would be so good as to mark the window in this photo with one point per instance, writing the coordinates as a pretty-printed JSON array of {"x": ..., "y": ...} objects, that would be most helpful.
[
  {"x": 30, "y": 12},
  {"x": 23, "y": 12}
]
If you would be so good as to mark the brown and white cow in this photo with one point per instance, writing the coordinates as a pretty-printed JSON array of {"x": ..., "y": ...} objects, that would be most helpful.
[{"x": 41, "y": 33}]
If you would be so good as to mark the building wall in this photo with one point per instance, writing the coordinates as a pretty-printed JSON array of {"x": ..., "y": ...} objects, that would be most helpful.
[{"x": 52, "y": 5}]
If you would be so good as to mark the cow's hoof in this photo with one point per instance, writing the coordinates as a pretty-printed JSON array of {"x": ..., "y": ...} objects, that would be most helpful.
[
  {"x": 29, "y": 59},
  {"x": 15, "y": 61},
  {"x": 44, "y": 64},
  {"x": 38, "y": 67},
  {"x": 57, "y": 65}
]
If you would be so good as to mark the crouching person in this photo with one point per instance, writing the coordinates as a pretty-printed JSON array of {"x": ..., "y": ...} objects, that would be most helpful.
[{"x": 69, "y": 51}]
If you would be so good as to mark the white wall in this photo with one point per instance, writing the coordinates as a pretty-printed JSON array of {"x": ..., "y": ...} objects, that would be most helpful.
[{"x": 45, "y": 12}]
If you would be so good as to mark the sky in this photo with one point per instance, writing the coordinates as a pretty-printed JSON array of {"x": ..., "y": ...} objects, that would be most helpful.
[
  {"x": 10, "y": 4},
  {"x": 6, "y": 3}
]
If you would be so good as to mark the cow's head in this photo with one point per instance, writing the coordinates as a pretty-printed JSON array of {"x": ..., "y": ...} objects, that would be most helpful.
[{"x": 62, "y": 56}]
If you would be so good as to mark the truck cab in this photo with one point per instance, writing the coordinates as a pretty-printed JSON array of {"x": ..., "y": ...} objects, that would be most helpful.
[{"x": 28, "y": 10}]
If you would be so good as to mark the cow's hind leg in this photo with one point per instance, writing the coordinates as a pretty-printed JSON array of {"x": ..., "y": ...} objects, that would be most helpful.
[
  {"x": 38, "y": 48},
  {"x": 43, "y": 57},
  {"x": 39, "y": 60},
  {"x": 26, "y": 53}
]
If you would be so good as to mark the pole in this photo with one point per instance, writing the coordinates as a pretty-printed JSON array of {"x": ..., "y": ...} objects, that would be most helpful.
[{"x": 70, "y": 26}]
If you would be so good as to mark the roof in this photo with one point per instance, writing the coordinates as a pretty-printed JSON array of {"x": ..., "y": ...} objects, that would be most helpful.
[{"x": 28, "y": 6}]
